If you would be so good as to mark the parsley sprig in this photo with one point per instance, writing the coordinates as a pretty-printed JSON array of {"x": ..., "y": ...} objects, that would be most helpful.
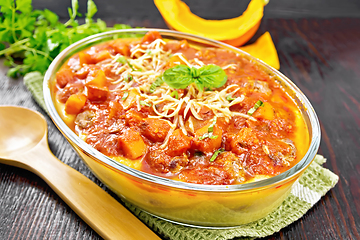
[
  {"x": 31, "y": 39},
  {"x": 207, "y": 77}
]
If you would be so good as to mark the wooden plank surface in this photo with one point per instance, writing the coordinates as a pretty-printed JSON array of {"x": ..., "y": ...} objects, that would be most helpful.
[{"x": 322, "y": 56}]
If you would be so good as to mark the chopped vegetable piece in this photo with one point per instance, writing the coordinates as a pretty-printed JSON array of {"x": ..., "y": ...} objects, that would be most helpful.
[
  {"x": 208, "y": 135},
  {"x": 126, "y": 94},
  {"x": 175, "y": 94},
  {"x": 128, "y": 78},
  {"x": 130, "y": 99},
  {"x": 75, "y": 103},
  {"x": 216, "y": 154},
  {"x": 98, "y": 80},
  {"x": 207, "y": 142},
  {"x": 157, "y": 83},
  {"x": 230, "y": 98},
  {"x": 178, "y": 143},
  {"x": 258, "y": 104},
  {"x": 211, "y": 127},
  {"x": 151, "y": 36},
  {"x": 132, "y": 144},
  {"x": 96, "y": 93},
  {"x": 144, "y": 103},
  {"x": 155, "y": 129},
  {"x": 123, "y": 60}
]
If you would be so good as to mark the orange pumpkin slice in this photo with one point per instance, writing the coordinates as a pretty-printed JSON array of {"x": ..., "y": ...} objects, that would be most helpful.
[
  {"x": 264, "y": 49},
  {"x": 235, "y": 31}
]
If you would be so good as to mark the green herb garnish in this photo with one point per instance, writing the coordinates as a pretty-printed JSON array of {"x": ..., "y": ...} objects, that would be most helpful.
[
  {"x": 209, "y": 76},
  {"x": 211, "y": 127},
  {"x": 123, "y": 60},
  {"x": 258, "y": 104},
  {"x": 208, "y": 135},
  {"x": 126, "y": 94},
  {"x": 36, "y": 37},
  {"x": 230, "y": 98},
  {"x": 144, "y": 103},
  {"x": 157, "y": 83},
  {"x": 175, "y": 94},
  {"x": 216, "y": 154},
  {"x": 128, "y": 78}
]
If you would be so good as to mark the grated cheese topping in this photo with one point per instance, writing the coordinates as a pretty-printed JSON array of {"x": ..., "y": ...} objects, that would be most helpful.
[{"x": 147, "y": 62}]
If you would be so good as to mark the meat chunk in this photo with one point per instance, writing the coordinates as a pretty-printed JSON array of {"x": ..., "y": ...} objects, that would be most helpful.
[
  {"x": 85, "y": 119},
  {"x": 244, "y": 141},
  {"x": 161, "y": 162},
  {"x": 258, "y": 86},
  {"x": 64, "y": 76}
]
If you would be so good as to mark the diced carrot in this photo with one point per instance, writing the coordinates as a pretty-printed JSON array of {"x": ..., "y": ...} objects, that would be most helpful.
[
  {"x": 155, "y": 129},
  {"x": 178, "y": 143},
  {"x": 208, "y": 144},
  {"x": 132, "y": 144},
  {"x": 85, "y": 58},
  {"x": 96, "y": 93},
  {"x": 151, "y": 36},
  {"x": 75, "y": 103},
  {"x": 64, "y": 76},
  {"x": 99, "y": 79},
  {"x": 175, "y": 60},
  {"x": 120, "y": 47}
]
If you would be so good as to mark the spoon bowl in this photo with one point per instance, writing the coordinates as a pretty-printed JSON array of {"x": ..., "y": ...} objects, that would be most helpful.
[
  {"x": 21, "y": 130},
  {"x": 23, "y": 143}
]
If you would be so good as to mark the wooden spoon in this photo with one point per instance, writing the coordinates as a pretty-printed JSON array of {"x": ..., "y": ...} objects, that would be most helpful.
[{"x": 23, "y": 143}]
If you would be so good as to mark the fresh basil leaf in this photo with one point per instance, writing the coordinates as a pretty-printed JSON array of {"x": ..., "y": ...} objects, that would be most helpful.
[
  {"x": 212, "y": 76},
  {"x": 178, "y": 77}
]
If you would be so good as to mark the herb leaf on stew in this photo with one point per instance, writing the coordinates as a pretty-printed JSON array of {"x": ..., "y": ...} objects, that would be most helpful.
[
  {"x": 206, "y": 77},
  {"x": 216, "y": 154}
]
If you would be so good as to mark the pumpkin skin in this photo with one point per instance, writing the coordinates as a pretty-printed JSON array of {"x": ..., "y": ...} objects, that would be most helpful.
[{"x": 235, "y": 31}]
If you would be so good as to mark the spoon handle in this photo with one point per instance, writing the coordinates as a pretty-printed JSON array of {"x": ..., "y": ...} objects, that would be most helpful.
[{"x": 98, "y": 209}]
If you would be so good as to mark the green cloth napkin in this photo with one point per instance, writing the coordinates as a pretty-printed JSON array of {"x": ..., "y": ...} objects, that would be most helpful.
[{"x": 315, "y": 183}]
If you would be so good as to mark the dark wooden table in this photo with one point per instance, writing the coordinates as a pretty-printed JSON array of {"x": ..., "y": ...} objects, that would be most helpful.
[{"x": 321, "y": 54}]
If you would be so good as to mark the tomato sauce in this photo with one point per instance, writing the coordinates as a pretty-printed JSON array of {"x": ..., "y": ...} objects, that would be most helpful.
[{"x": 116, "y": 116}]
